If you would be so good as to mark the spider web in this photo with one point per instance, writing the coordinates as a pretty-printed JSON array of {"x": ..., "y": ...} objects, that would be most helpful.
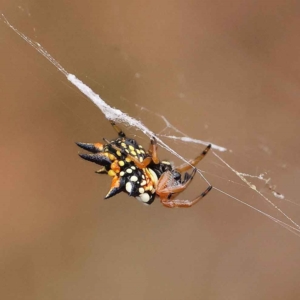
[{"x": 172, "y": 133}]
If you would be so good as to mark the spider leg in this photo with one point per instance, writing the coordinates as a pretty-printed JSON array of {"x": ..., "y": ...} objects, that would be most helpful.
[
  {"x": 153, "y": 150},
  {"x": 117, "y": 129},
  {"x": 184, "y": 203},
  {"x": 193, "y": 162}
]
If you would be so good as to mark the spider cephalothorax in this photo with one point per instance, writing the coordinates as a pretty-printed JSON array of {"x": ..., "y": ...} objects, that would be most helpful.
[{"x": 140, "y": 173}]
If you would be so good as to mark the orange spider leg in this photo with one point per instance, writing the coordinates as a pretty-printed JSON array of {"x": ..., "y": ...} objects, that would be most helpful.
[
  {"x": 184, "y": 203},
  {"x": 153, "y": 150},
  {"x": 193, "y": 162}
]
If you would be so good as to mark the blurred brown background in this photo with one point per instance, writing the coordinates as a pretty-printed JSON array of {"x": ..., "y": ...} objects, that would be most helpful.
[{"x": 222, "y": 71}]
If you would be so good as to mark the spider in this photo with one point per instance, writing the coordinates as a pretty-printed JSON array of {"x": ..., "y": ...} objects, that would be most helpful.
[{"x": 140, "y": 173}]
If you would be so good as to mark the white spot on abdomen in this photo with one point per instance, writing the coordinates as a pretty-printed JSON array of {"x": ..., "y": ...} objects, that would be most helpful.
[
  {"x": 144, "y": 197},
  {"x": 128, "y": 187},
  {"x": 133, "y": 178}
]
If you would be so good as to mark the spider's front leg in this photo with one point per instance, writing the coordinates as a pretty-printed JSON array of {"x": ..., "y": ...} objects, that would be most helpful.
[
  {"x": 193, "y": 162},
  {"x": 153, "y": 150}
]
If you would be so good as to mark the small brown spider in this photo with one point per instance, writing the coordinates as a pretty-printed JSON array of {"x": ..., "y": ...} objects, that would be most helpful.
[{"x": 140, "y": 173}]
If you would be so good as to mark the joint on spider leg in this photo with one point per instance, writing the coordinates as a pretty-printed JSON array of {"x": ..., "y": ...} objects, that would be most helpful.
[
  {"x": 170, "y": 196},
  {"x": 193, "y": 173},
  {"x": 153, "y": 150},
  {"x": 206, "y": 150},
  {"x": 153, "y": 143},
  {"x": 167, "y": 204},
  {"x": 187, "y": 177},
  {"x": 207, "y": 191},
  {"x": 153, "y": 140}
]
